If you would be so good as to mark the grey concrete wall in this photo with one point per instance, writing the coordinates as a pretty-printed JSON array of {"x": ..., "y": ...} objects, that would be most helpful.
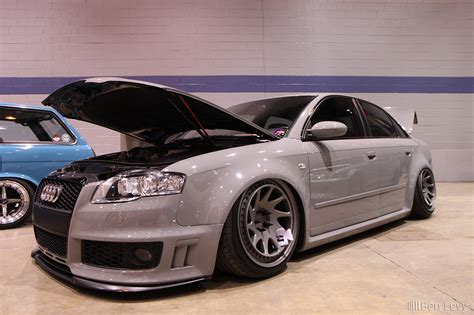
[{"x": 268, "y": 37}]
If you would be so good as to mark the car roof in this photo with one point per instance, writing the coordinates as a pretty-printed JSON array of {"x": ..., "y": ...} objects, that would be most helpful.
[
  {"x": 319, "y": 95},
  {"x": 24, "y": 106}
]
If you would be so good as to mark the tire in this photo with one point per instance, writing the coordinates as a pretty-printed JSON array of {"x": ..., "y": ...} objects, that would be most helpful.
[
  {"x": 249, "y": 243},
  {"x": 424, "y": 202},
  {"x": 16, "y": 201}
]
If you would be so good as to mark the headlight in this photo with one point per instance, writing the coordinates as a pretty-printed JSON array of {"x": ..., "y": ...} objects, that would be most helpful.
[{"x": 135, "y": 184}]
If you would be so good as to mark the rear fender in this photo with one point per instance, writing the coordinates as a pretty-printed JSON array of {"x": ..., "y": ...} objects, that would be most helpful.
[{"x": 421, "y": 159}]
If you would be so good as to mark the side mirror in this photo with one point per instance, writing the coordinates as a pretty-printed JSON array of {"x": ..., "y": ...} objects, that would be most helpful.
[{"x": 328, "y": 129}]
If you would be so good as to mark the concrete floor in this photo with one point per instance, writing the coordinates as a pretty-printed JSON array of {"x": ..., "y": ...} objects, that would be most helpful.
[{"x": 381, "y": 271}]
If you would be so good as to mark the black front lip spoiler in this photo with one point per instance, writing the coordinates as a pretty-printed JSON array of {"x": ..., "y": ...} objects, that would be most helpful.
[{"x": 50, "y": 268}]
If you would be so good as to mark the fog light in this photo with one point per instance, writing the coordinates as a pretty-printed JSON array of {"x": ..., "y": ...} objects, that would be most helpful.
[{"x": 143, "y": 255}]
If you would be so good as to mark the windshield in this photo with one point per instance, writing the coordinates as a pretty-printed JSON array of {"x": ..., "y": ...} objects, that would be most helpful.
[{"x": 276, "y": 115}]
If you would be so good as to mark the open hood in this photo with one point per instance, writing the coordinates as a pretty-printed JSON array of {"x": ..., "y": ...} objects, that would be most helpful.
[{"x": 147, "y": 111}]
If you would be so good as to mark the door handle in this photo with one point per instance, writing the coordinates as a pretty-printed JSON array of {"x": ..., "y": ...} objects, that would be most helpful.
[
  {"x": 371, "y": 155},
  {"x": 408, "y": 152}
]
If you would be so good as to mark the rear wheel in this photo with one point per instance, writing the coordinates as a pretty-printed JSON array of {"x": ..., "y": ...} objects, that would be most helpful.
[
  {"x": 256, "y": 239},
  {"x": 424, "y": 202},
  {"x": 16, "y": 202}
]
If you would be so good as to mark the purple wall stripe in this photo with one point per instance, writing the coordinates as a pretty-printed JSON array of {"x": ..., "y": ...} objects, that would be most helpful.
[{"x": 262, "y": 83}]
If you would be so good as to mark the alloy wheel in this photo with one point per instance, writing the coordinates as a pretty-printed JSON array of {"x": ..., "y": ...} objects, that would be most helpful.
[
  {"x": 14, "y": 201},
  {"x": 264, "y": 210},
  {"x": 428, "y": 187}
]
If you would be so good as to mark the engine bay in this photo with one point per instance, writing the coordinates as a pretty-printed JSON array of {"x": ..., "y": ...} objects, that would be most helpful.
[{"x": 158, "y": 157}]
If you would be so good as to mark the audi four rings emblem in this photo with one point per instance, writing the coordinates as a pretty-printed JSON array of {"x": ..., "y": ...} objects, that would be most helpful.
[{"x": 50, "y": 193}]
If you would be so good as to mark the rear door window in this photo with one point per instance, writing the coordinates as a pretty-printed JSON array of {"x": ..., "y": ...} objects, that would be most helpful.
[
  {"x": 380, "y": 124},
  {"x": 18, "y": 125}
]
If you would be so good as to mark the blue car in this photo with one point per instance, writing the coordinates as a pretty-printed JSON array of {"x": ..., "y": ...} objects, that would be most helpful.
[{"x": 34, "y": 140}]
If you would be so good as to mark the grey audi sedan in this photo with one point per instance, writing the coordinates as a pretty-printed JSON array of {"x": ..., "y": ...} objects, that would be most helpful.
[{"x": 201, "y": 187}]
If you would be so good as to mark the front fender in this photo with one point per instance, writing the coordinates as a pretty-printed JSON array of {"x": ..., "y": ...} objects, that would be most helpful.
[
  {"x": 216, "y": 180},
  {"x": 24, "y": 177}
]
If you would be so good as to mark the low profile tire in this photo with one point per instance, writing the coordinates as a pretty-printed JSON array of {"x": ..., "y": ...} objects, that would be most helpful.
[
  {"x": 16, "y": 202},
  {"x": 424, "y": 202},
  {"x": 249, "y": 244}
]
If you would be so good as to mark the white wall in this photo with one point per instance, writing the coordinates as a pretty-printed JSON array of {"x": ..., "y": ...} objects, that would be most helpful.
[{"x": 271, "y": 37}]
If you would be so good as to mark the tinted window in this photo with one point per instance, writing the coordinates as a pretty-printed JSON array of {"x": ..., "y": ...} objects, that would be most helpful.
[
  {"x": 380, "y": 124},
  {"x": 400, "y": 132},
  {"x": 343, "y": 110},
  {"x": 276, "y": 115},
  {"x": 31, "y": 126}
]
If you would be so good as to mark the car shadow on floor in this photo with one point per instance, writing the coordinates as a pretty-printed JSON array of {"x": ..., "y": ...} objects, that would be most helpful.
[{"x": 222, "y": 281}]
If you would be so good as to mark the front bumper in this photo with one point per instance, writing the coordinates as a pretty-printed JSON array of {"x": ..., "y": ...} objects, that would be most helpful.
[
  {"x": 188, "y": 253},
  {"x": 64, "y": 274}
]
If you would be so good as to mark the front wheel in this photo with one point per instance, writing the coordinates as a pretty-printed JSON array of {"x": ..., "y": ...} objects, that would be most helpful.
[
  {"x": 424, "y": 202},
  {"x": 261, "y": 231},
  {"x": 16, "y": 202}
]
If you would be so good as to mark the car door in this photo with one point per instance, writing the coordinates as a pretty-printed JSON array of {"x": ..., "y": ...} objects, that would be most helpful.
[
  {"x": 343, "y": 171},
  {"x": 393, "y": 149},
  {"x": 34, "y": 143}
]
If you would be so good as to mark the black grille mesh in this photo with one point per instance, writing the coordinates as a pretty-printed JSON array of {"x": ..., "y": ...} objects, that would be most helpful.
[
  {"x": 55, "y": 244},
  {"x": 120, "y": 255},
  {"x": 68, "y": 197}
]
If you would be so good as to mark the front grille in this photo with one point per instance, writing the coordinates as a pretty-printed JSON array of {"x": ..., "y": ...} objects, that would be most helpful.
[
  {"x": 53, "y": 243},
  {"x": 119, "y": 255},
  {"x": 68, "y": 196}
]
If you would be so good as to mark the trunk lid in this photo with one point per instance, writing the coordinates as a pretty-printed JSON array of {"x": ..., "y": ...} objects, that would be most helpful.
[{"x": 404, "y": 116}]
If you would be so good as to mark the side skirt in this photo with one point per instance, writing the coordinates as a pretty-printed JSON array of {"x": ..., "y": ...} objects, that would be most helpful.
[{"x": 317, "y": 240}]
